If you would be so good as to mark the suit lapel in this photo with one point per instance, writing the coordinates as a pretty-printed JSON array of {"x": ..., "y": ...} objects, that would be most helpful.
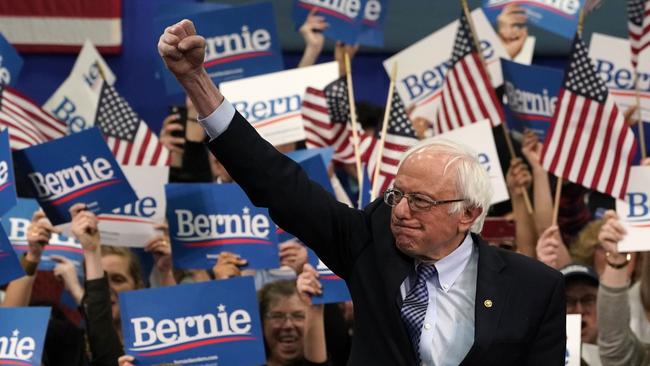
[{"x": 492, "y": 289}]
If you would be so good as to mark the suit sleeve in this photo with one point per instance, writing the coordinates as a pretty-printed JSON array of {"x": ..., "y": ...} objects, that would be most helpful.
[
  {"x": 334, "y": 231},
  {"x": 549, "y": 345}
]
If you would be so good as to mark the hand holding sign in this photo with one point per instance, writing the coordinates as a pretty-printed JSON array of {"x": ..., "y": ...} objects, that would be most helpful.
[
  {"x": 38, "y": 235},
  {"x": 293, "y": 254},
  {"x": 84, "y": 227},
  {"x": 518, "y": 177},
  {"x": 182, "y": 49},
  {"x": 308, "y": 284},
  {"x": 312, "y": 31},
  {"x": 159, "y": 246},
  {"x": 512, "y": 28},
  {"x": 531, "y": 149},
  {"x": 611, "y": 232},
  {"x": 66, "y": 271},
  {"x": 228, "y": 265}
]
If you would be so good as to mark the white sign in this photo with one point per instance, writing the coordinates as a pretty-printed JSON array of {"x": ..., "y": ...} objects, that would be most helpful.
[
  {"x": 479, "y": 137},
  {"x": 611, "y": 57},
  {"x": 75, "y": 101},
  {"x": 271, "y": 102},
  {"x": 133, "y": 224},
  {"x": 423, "y": 65},
  {"x": 573, "y": 339},
  {"x": 634, "y": 213}
]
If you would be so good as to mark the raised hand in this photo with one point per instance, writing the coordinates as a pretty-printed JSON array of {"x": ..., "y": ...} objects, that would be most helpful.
[
  {"x": 160, "y": 247},
  {"x": 518, "y": 177},
  {"x": 293, "y": 254},
  {"x": 551, "y": 249},
  {"x": 308, "y": 284},
  {"x": 66, "y": 272},
  {"x": 312, "y": 30},
  {"x": 182, "y": 49},
  {"x": 84, "y": 227},
  {"x": 611, "y": 232},
  {"x": 38, "y": 235},
  {"x": 511, "y": 24}
]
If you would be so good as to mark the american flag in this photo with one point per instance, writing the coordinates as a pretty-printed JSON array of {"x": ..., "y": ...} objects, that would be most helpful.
[
  {"x": 326, "y": 114},
  {"x": 128, "y": 136},
  {"x": 589, "y": 142},
  {"x": 467, "y": 94},
  {"x": 28, "y": 124},
  {"x": 638, "y": 24},
  {"x": 400, "y": 136}
]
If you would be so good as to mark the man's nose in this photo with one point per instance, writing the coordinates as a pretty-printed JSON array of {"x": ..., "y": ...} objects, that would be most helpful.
[{"x": 402, "y": 209}]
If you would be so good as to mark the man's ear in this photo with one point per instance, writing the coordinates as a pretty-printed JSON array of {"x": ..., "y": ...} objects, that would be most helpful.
[{"x": 469, "y": 215}]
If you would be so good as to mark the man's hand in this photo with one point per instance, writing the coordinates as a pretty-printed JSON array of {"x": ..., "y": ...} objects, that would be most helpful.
[
  {"x": 551, "y": 249},
  {"x": 228, "y": 265},
  {"x": 84, "y": 227},
  {"x": 38, "y": 235},
  {"x": 511, "y": 24},
  {"x": 182, "y": 49},
  {"x": 293, "y": 254},
  {"x": 518, "y": 177},
  {"x": 308, "y": 284}
]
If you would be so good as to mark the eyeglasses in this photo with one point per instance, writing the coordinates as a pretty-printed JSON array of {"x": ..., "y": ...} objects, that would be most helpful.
[
  {"x": 277, "y": 318},
  {"x": 416, "y": 201},
  {"x": 586, "y": 302}
]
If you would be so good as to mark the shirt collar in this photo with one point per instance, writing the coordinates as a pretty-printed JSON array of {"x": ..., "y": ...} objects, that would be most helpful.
[{"x": 450, "y": 267}]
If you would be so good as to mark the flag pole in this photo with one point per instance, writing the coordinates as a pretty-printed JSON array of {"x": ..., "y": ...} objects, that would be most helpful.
[
  {"x": 384, "y": 128},
  {"x": 353, "y": 119},
  {"x": 639, "y": 114},
  {"x": 556, "y": 200},
  {"x": 504, "y": 127}
]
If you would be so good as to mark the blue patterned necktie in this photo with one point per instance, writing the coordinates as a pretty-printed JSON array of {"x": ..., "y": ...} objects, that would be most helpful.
[{"x": 414, "y": 306}]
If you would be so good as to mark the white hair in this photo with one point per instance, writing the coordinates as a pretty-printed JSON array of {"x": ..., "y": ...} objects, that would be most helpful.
[{"x": 472, "y": 180}]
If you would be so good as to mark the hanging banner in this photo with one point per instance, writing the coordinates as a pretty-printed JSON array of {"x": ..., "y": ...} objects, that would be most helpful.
[{"x": 207, "y": 219}]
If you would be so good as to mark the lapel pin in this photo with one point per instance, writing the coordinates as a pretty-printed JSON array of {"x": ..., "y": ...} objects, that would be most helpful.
[{"x": 487, "y": 303}]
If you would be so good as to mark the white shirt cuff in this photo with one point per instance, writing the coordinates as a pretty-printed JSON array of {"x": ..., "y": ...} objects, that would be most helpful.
[{"x": 219, "y": 120}]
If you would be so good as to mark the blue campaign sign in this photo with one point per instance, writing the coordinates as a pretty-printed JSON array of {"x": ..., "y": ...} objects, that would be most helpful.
[
  {"x": 532, "y": 93},
  {"x": 22, "y": 335},
  {"x": 559, "y": 17},
  {"x": 16, "y": 223},
  {"x": 10, "y": 267},
  {"x": 344, "y": 17},
  {"x": 334, "y": 287},
  {"x": 372, "y": 24},
  {"x": 241, "y": 41},
  {"x": 84, "y": 170},
  {"x": 207, "y": 219},
  {"x": 10, "y": 63},
  {"x": 208, "y": 323},
  {"x": 324, "y": 152},
  {"x": 7, "y": 182}
]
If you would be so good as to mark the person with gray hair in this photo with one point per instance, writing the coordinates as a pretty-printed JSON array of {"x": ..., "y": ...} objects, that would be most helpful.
[{"x": 427, "y": 290}]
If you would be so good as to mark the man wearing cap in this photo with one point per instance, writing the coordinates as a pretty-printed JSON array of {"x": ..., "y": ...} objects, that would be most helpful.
[{"x": 581, "y": 286}]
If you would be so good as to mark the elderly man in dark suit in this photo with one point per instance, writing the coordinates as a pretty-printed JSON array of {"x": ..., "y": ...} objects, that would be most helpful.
[{"x": 426, "y": 288}]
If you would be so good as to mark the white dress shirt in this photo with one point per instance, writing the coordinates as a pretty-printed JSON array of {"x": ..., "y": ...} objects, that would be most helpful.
[{"x": 448, "y": 327}]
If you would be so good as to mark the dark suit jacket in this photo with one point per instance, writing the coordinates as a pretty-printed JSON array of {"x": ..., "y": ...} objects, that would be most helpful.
[{"x": 524, "y": 326}]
